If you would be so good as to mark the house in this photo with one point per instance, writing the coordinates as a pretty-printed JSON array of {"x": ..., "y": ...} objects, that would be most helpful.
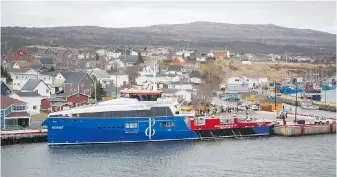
[
  {"x": 201, "y": 58},
  {"x": 182, "y": 94},
  {"x": 33, "y": 100},
  {"x": 5, "y": 90},
  {"x": 64, "y": 101},
  {"x": 112, "y": 92},
  {"x": 178, "y": 62},
  {"x": 6, "y": 63},
  {"x": 37, "y": 85},
  {"x": 46, "y": 62},
  {"x": 13, "y": 113},
  {"x": 256, "y": 81},
  {"x": 59, "y": 78},
  {"x": 112, "y": 55},
  {"x": 78, "y": 82},
  {"x": 21, "y": 76},
  {"x": 181, "y": 85},
  {"x": 48, "y": 76},
  {"x": 100, "y": 75},
  {"x": 3, "y": 79},
  {"x": 218, "y": 54},
  {"x": 128, "y": 60},
  {"x": 236, "y": 80},
  {"x": 21, "y": 54},
  {"x": 25, "y": 64},
  {"x": 195, "y": 77},
  {"x": 119, "y": 78},
  {"x": 174, "y": 69}
]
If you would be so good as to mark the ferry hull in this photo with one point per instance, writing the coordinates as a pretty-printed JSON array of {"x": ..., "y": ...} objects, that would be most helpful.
[
  {"x": 235, "y": 132},
  {"x": 115, "y": 130}
]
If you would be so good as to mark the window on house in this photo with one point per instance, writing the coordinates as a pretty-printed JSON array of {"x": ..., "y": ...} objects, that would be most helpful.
[
  {"x": 47, "y": 91},
  {"x": 236, "y": 80},
  {"x": 34, "y": 107},
  {"x": 17, "y": 77}
]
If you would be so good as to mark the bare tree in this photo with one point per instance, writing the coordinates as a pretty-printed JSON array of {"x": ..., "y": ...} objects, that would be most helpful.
[
  {"x": 132, "y": 72},
  {"x": 204, "y": 94}
]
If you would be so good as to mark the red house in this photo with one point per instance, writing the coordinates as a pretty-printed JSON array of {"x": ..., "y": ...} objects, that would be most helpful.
[
  {"x": 21, "y": 54},
  {"x": 64, "y": 101}
]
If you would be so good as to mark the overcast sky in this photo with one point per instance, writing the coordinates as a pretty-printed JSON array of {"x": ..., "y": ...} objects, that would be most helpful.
[{"x": 302, "y": 14}]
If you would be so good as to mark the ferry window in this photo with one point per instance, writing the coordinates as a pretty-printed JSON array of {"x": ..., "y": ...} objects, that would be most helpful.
[
  {"x": 167, "y": 124},
  {"x": 127, "y": 125}
]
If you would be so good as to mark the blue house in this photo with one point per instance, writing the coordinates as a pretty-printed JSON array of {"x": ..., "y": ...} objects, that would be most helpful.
[
  {"x": 14, "y": 113},
  {"x": 5, "y": 90}
]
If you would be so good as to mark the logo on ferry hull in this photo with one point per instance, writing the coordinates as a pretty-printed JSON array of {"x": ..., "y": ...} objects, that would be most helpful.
[{"x": 149, "y": 132}]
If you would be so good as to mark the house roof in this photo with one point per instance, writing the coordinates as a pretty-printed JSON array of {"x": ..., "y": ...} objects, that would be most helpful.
[
  {"x": 174, "y": 68},
  {"x": 195, "y": 74},
  {"x": 99, "y": 73},
  {"x": 9, "y": 56},
  {"x": 118, "y": 73},
  {"x": 46, "y": 61},
  {"x": 18, "y": 114},
  {"x": 26, "y": 64},
  {"x": 5, "y": 90},
  {"x": 73, "y": 77},
  {"x": 219, "y": 53},
  {"x": 7, "y": 101},
  {"x": 170, "y": 91},
  {"x": 237, "y": 88},
  {"x": 177, "y": 62},
  {"x": 27, "y": 94},
  {"x": 112, "y": 90},
  {"x": 128, "y": 58},
  {"x": 68, "y": 94},
  {"x": 31, "y": 84}
]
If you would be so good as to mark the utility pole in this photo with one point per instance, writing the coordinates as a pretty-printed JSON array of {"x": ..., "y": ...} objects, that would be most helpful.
[
  {"x": 275, "y": 93},
  {"x": 296, "y": 103},
  {"x": 116, "y": 85},
  {"x": 95, "y": 93}
]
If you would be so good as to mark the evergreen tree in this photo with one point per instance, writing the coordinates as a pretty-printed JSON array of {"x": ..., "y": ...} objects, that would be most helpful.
[
  {"x": 140, "y": 59},
  {"x": 51, "y": 69},
  {"x": 6, "y": 75},
  {"x": 100, "y": 93}
]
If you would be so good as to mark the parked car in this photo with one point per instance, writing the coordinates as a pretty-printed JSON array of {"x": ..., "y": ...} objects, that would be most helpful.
[{"x": 321, "y": 120}]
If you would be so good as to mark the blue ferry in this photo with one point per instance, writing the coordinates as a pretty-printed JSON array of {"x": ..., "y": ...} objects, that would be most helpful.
[{"x": 140, "y": 116}]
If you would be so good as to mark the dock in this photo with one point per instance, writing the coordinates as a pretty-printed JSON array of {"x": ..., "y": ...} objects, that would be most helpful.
[
  {"x": 302, "y": 130},
  {"x": 23, "y": 136}
]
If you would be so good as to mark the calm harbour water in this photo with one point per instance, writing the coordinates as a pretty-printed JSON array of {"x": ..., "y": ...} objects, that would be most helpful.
[{"x": 310, "y": 156}]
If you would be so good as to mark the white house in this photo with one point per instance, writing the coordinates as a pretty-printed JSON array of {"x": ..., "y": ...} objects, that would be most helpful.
[
  {"x": 256, "y": 81},
  {"x": 33, "y": 100},
  {"x": 160, "y": 78},
  {"x": 195, "y": 80},
  {"x": 101, "y": 52},
  {"x": 101, "y": 75},
  {"x": 134, "y": 53},
  {"x": 178, "y": 93},
  {"x": 236, "y": 80},
  {"x": 21, "y": 76},
  {"x": 112, "y": 55},
  {"x": 4, "y": 80},
  {"x": 37, "y": 85},
  {"x": 119, "y": 78},
  {"x": 47, "y": 77}
]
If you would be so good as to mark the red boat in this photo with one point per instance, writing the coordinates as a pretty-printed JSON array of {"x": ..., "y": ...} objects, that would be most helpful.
[{"x": 217, "y": 127}]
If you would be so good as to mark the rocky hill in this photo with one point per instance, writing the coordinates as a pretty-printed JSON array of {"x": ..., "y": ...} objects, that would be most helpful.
[{"x": 239, "y": 38}]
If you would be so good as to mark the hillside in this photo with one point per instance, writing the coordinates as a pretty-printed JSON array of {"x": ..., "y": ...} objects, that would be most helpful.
[{"x": 238, "y": 38}]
